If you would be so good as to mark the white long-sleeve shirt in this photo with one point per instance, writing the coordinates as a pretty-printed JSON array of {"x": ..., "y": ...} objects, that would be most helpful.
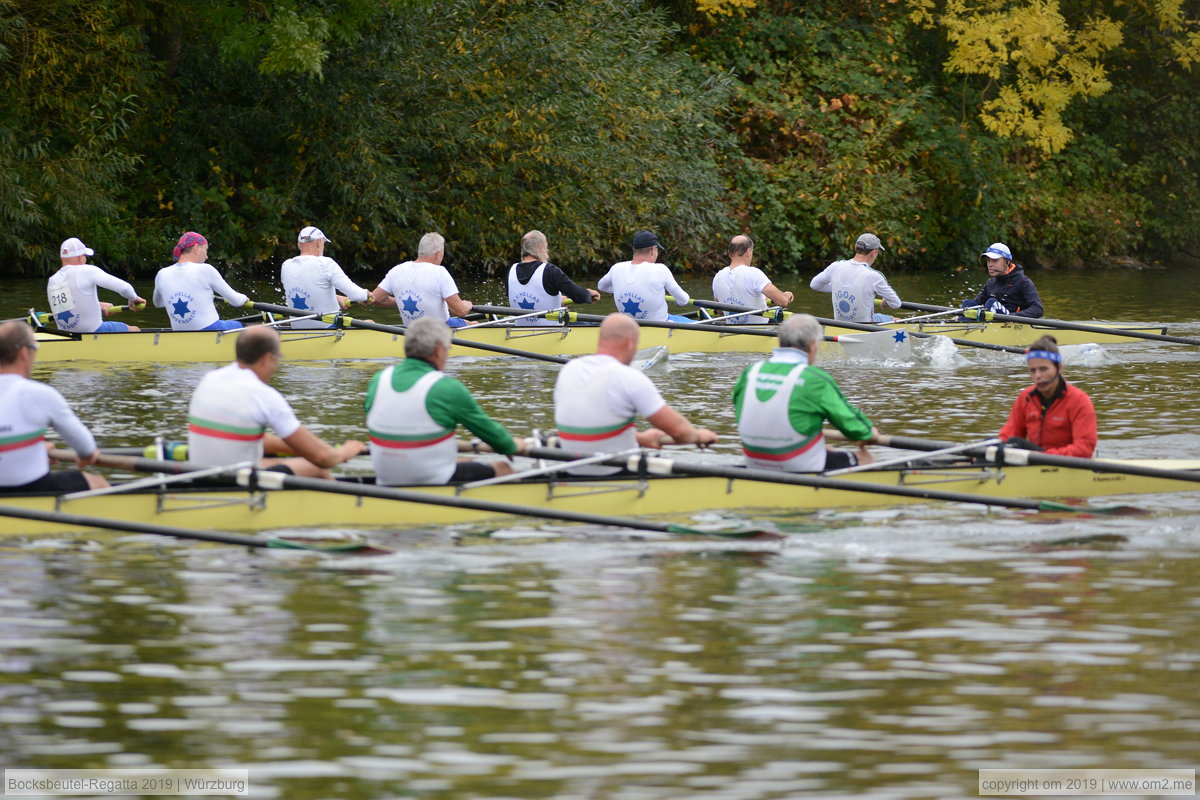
[{"x": 854, "y": 285}]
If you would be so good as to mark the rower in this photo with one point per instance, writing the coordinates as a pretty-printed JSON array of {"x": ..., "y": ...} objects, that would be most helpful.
[
  {"x": 781, "y": 404},
  {"x": 639, "y": 285},
  {"x": 598, "y": 397},
  {"x": 1008, "y": 289},
  {"x": 72, "y": 293},
  {"x": 26, "y": 409},
  {"x": 534, "y": 284},
  {"x": 423, "y": 287},
  {"x": 413, "y": 408},
  {"x": 312, "y": 280},
  {"x": 186, "y": 289},
  {"x": 1052, "y": 415},
  {"x": 854, "y": 284},
  {"x": 741, "y": 284},
  {"x": 233, "y": 406}
]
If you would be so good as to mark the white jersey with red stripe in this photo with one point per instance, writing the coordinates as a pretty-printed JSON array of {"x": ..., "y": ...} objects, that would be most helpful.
[
  {"x": 407, "y": 444},
  {"x": 311, "y": 283},
  {"x": 420, "y": 289},
  {"x": 186, "y": 290},
  {"x": 74, "y": 305},
  {"x": 27, "y": 409},
  {"x": 639, "y": 289},
  {"x": 769, "y": 441},
  {"x": 596, "y": 402},
  {"x": 229, "y": 414}
]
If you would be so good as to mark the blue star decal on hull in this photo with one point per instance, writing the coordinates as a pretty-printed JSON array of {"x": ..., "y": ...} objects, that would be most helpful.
[
  {"x": 631, "y": 307},
  {"x": 64, "y": 318},
  {"x": 410, "y": 306},
  {"x": 900, "y": 336},
  {"x": 180, "y": 308},
  {"x": 299, "y": 302}
]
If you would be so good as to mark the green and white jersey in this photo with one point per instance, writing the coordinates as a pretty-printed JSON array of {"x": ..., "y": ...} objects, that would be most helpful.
[{"x": 781, "y": 405}]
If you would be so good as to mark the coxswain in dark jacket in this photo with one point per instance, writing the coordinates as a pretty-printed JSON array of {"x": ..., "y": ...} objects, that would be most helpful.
[{"x": 1008, "y": 285}]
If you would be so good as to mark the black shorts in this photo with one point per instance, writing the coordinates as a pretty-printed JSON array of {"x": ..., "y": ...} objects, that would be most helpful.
[
  {"x": 61, "y": 482},
  {"x": 840, "y": 459},
  {"x": 467, "y": 471}
]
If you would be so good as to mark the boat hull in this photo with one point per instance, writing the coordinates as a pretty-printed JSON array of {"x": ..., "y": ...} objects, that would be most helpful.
[
  {"x": 239, "y": 510},
  {"x": 211, "y": 346}
]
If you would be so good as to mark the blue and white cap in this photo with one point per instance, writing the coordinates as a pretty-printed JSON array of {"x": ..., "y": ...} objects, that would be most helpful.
[{"x": 997, "y": 250}]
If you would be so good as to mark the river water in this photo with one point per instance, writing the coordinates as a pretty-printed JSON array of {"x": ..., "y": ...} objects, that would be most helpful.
[{"x": 889, "y": 653}]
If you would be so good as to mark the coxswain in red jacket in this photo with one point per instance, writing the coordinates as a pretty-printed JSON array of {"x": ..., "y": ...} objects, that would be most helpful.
[{"x": 1052, "y": 415}]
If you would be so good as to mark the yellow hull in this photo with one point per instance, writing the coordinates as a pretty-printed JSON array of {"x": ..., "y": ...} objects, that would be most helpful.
[
  {"x": 207, "y": 346},
  {"x": 239, "y": 510}
]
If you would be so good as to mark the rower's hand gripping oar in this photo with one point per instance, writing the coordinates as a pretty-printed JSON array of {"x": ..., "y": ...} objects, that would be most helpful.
[{"x": 398, "y": 330}]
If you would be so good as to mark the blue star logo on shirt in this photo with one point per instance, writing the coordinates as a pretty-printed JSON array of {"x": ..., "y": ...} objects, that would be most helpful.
[
  {"x": 299, "y": 301},
  {"x": 631, "y": 307},
  {"x": 64, "y": 318},
  {"x": 180, "y": 308},
  {"x": 900, "y": 336},
  {"x": 525, "y": 304},
  {"x": 409, "y": 304}
]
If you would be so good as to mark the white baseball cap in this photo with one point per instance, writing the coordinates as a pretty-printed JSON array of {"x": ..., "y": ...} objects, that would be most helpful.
[
  {"x": 311, "y": 234},
  {"x": 73, "y": 247}
]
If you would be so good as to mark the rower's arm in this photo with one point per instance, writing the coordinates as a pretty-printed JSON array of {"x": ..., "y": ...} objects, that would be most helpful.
[
  {"x": 458, "y": 307},
  {"x": 779, "y": 298},
  {"x": 382, "y": 297},
  {"x": 305, "y": 444},
  {"x": 675, "y": 425}
]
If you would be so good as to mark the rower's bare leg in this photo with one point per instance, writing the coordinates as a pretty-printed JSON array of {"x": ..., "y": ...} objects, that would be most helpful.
[
  {"x": 300, "y": 467},
  {"x": 95, "y": 481}
]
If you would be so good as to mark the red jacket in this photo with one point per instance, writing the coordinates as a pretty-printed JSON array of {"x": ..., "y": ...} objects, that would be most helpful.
[{"x": 1065, "y": 427}]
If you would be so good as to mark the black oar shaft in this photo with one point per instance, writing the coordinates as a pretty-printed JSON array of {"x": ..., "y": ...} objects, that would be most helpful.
[
  {"x": 1045, "y": 459},
  {"x": 645, "y": 323},
  {"x": 85, "y": 521},
  {"x": 863, "y": 326},
  {"x": 397, "y": 330},
  {"x": 1045, "y": 322}
]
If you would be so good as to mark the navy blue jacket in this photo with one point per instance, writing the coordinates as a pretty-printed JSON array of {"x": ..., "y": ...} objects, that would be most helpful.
[{"x": 1015, "y": 291}]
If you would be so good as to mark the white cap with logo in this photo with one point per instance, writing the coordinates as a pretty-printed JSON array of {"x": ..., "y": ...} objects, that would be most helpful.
[
  {"x": 311, "y": 234},
  {"x": 73, "y": 247}
]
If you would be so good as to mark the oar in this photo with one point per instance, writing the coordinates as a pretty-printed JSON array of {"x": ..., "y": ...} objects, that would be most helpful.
[
  {"x": 397, "y": 330},
  {"x": 1015, "y": 456},
  {"x": 572, "y": 316},
  {"x": 266, "y": 479},
  {"x": 1043, "y": 322},
  {"x": 660, "y": 465},
  {"x": 862, "y": 326},
  {"x": 85, "y": 521}
]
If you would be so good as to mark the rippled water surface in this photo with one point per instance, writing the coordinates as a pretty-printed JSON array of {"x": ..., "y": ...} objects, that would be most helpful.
[{"x": 888, "y": 653}]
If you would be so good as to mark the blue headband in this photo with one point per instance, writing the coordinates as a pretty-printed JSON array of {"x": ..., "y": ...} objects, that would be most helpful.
[{"x": 1046, "y": 354}]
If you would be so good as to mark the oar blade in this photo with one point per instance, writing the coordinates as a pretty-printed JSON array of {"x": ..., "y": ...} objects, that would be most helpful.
[
  {"x": 1107, "y": 511},
  {"x": 357, "y": 546},
  {"x": 650, "y": 357},
  {"x": 891, "y": 345},
  {"x": 740, "y": 531}
]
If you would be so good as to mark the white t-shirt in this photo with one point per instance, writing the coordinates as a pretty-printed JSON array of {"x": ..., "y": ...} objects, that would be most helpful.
[
  {"x": 186, "y": 289},
  {"x": 27, "y": 408},
  {"x": 72, "y": 294},
  {"x": 598, "y": 397},
  {"x": 741, "y": 286},
  {"x": 229, "y": 414},
  {"x": 639, "y": 289},
  {"x": 311, "y": 283},
  {"x": 854, "y": 285},
  {"x": 420, "y": 289}
]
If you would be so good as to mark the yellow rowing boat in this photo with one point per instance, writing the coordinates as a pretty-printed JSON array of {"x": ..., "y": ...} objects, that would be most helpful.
[
  {"x": 235, "y": 509},
  {"x": 567, "y": 340}
]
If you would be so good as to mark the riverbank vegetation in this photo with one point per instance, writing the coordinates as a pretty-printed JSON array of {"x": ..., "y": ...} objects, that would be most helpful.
[{"x": 1069, "y": 130}]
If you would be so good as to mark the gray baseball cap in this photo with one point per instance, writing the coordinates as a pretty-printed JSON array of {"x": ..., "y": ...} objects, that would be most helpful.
[{"x": 869, "y": 241}]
